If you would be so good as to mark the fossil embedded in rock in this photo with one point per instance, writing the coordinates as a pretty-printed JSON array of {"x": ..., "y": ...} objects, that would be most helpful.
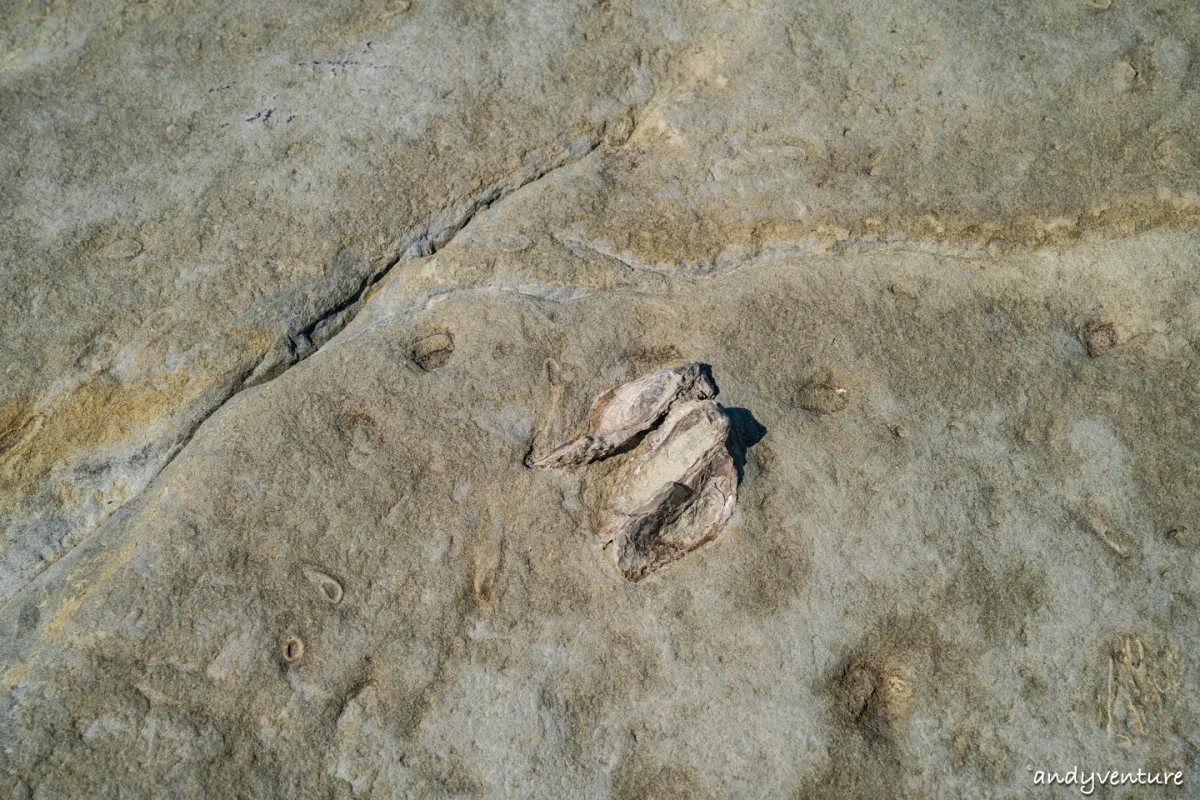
[
  {"x": 879, "y": 695},
  {"x": 620, "y": 414},
  {"x": 292, "y": 649},
  {"x": 433, "y": 351},
  {"x": 327, "y": 586},
  {"x": 823, "y": 395},
  {"x": 677, "y": 492},
  {"x": 680, "y": 487}
]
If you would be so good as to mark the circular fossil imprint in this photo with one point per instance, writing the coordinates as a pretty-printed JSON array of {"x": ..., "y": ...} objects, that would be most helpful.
[
  {"x": 879, "y": 694},
  {"x": 292, "y": 649},
  {"x": 433, "y": 351},
  {"x": 328, "y": 586},
  {"x": 824, "y": 395}
]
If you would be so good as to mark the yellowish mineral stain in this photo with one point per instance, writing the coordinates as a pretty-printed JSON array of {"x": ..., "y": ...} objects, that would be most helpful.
[{"x": 100, "y": 413}]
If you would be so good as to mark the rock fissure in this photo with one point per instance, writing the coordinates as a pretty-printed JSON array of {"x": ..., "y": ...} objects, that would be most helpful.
[{"x": 424, "y": 240}]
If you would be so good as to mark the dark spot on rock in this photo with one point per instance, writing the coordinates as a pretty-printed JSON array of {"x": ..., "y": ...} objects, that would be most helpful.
[
  {"x": 772, "y": 574},
  {"x": 1099, "y": 337},
  {"x": 637, "y": 781},
  {"x": 1008, "y": 600},
  {"x": 627, "y": 665},
  {"x": 1183, "y": 536},
  {"x": 28, "y": 618},
  {"x": 859, "y": 771},
  {"x": 654, "y": 357},
  {"x": 433, "y": 351}
]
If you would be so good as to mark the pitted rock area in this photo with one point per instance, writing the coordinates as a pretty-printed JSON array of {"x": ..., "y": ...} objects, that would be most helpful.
[{"x": 598, "y": 399}]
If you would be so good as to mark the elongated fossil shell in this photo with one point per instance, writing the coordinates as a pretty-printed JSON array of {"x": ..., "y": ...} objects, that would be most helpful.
[
  {"x": 620, "y": 414},
  {"x": 677, "y": 493}
]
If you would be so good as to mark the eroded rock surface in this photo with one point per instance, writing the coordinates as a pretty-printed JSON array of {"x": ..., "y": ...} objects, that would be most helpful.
[
  {"x": 291, "y": 292},
  {"x": 196, "y": 197}
]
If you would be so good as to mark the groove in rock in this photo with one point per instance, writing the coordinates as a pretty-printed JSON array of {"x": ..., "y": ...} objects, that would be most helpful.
[{"x": 426, "y": 239}]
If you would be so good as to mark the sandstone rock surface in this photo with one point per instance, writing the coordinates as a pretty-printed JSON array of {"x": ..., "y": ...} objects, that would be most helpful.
[{"x": 291, "y": 292}]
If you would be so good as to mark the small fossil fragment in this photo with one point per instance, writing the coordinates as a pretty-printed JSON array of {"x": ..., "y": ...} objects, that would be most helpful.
[
  {"x": 327, "y": 585},
  {"x": 292, "y": 649},
  {"x": 620, "y": 414},
  {"x": 121, "y": 249},
  {"x": 433, "y": 351},
  {"x": 677, "y": 492},
  {"x": 1120, "y": 543},
  {"x": 1145, "y": 676}
]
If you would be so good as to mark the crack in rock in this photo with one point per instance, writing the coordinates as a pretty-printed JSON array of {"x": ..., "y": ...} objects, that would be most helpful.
[{"x": 429, "y": 237}]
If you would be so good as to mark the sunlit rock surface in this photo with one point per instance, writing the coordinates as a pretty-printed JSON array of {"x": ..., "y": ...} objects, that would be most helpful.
[{"x": 291, "y": 295}]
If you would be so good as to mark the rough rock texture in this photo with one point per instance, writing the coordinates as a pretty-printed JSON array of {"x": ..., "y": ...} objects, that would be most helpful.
[{"x": 290, "y": 293}]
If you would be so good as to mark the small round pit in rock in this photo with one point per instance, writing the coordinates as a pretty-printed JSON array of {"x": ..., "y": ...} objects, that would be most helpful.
[
  {"x": 1099, "y": 337},
  {"x": 433, "y": 351}
]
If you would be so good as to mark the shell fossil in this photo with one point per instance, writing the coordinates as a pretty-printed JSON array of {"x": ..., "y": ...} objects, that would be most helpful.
[
  {"x": 620, "y": 414},
  {"x": 433, "y": 351},
  {"x": 292, "y": 649},
  {"x": 680, "y": 487},
  {"x": 327, "y": 586},
  {"x": 677, "y": 493}
]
